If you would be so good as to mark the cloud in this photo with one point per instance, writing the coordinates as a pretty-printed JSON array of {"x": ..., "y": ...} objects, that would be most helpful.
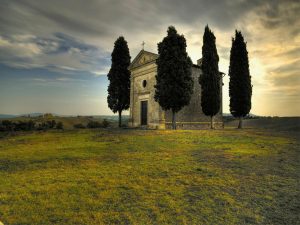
[
  {"x": 16, "y": 47},
  {"x": 286, "y": 76},
  {"x": 280, "y": 14},
  {"x": 73, "y": 36},
  {"x": 60, "y": 52}
]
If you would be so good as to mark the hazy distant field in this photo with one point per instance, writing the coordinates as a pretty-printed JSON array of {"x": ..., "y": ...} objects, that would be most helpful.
[
  {"x": 70, "y": 121},
  {"x": 270, "y": 123},
  {"x": 150, "y": 177}
]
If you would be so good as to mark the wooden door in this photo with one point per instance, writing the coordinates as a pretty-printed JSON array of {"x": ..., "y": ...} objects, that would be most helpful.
[{"x": 144, "y": 112}]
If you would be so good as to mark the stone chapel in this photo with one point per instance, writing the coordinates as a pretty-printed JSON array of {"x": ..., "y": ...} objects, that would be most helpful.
[{"x": 146, "y": 112}]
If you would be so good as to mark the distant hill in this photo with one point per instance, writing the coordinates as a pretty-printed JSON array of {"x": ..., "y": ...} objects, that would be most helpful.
[
  {"x": 7, "y": 116},
  {"x": 31, "y": 114},
  {"x": 229, "y": 115}
]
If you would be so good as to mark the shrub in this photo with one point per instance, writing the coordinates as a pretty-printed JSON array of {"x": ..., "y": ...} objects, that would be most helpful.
[
  {"x": 8, "y": 125},
  {"x": 2, "y": 128},
  {"x": 79, "y": 126},
  {"x": 31, "y": 125},
  {"x": 51, "y": 124},
  {"x": 42, "y": 126},
  {"x": 48, "y": 115},
  {"x": 24, "y": 125},
  {"x": 105, "y": 123},
  {"x": 59, "y": 126},
  {"x": 94, "y": 124}
]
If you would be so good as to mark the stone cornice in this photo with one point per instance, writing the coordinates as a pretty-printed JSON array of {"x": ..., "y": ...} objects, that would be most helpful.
[{"x": 154, "y": 69}]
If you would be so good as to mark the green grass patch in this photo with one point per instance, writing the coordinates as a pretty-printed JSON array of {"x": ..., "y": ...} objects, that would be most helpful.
[{"x": 149, "y": 177}]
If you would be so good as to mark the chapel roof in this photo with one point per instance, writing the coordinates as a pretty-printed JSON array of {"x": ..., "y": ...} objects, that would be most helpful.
[
  {"x": 152, "y": 57},
  {"x": 148, "y": 57}
]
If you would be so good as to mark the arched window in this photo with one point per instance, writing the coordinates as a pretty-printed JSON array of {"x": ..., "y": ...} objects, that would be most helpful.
[{"x": 144, "y": 83}]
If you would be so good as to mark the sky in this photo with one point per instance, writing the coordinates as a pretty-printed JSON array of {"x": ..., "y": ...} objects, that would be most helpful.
[{"x": 55, "y": 55}]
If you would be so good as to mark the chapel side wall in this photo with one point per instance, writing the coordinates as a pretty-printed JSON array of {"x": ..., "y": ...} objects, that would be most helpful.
[
  {"x": 130, "y": 121},
  {"x": 192, "y": 116},
  {"x": 140, "y": 93}
]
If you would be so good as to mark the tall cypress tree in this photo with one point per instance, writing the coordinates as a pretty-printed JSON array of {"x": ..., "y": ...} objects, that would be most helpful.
[
  {"x": 211, "y": 77},
  {"x": 174, "y": 83},
  {"x": 240, "y": 88},
  {"x": 118, "y": 98}
]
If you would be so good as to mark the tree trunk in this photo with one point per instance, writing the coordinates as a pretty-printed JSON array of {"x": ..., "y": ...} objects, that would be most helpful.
[
  {"x": 173, "y": 120},
  {"x": 212, "y": 122},
  {"x": 120, "y": 118},
  {"x": 240, "y": 123}
]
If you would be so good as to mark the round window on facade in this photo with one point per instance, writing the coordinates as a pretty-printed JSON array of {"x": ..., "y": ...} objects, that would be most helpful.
[{"x": 144, "y": 83}]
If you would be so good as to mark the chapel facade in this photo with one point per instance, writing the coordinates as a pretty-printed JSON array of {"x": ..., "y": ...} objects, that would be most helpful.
[{"x": 146, "y": 112}]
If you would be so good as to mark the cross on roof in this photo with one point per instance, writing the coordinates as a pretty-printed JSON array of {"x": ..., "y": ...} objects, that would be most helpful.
[{"x": 143, "y": 44}]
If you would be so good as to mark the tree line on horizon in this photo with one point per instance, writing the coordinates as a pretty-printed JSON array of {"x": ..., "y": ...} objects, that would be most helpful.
[
  {"x": 174, "y": 83},
  {"x": 30, "y": 125}
]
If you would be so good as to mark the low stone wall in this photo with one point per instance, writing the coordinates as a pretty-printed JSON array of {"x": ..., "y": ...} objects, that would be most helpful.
[{"x": 194, "y": 125}]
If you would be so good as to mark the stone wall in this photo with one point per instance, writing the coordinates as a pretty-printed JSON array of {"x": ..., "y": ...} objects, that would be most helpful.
[
  {"x": 191, "y": 116},
  {"x": 194, "y": 125}
]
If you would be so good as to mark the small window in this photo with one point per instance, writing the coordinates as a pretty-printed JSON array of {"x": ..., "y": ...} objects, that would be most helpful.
[{"x": 144, "y": 83}]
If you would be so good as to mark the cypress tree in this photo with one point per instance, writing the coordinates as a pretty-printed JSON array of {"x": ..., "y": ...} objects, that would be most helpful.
[
  {"x": 240, "y": 88},
  {"x": 211, "y": 77},
  {"x": 118, "y": 98},
  {"x": 174, "y": 83}
]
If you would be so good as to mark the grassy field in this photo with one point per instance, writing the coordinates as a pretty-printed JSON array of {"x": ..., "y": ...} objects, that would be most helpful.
[{"x": 116, "y": 176}]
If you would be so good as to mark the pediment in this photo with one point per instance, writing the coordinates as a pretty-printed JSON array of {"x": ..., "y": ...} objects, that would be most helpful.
[{"x": 142, "y": 58}]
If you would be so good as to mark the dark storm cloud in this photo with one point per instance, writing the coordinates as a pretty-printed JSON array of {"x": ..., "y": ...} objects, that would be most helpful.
[
  {"x": 98, "y": 23},
  {"x": 107, "y": 18},
  {"x": 69, "y": 19},
  {"x": 280, "y": 14},
  {"x": 103, "y": 18}
]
